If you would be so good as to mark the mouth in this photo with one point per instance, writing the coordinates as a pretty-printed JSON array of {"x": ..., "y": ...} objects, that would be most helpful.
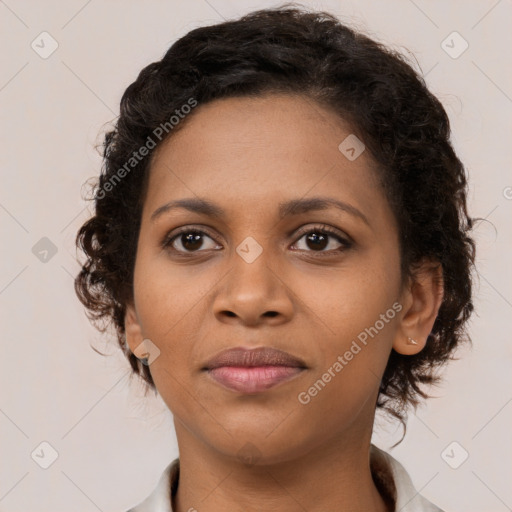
[
  {"x": 254, "y": 379},
  {"x": 253, "y": 371}
]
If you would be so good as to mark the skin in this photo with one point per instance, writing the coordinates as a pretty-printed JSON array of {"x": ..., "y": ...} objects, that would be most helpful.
[{"x": 247, "y": 155}]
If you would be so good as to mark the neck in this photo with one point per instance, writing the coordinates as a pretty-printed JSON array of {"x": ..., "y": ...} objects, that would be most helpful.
[{"x": 335, "y": 475}]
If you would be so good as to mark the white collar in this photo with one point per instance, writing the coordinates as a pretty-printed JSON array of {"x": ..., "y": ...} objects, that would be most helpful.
[{"x": 407, "y": 498}]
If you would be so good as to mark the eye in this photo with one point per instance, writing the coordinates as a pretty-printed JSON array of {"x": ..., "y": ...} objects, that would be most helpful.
[
  {"x": 318, "y": 238},
  {"x": 188, "y": 240}
]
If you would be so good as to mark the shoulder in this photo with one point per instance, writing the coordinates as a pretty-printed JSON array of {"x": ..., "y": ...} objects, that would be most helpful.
[{"x": 408, "y": 499}]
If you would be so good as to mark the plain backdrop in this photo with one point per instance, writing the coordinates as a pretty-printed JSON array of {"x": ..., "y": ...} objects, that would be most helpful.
[{"x": 109, "y": 441}]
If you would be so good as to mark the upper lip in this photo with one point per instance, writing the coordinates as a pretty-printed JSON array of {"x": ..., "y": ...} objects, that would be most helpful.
[{"x": 263, "y": 356}]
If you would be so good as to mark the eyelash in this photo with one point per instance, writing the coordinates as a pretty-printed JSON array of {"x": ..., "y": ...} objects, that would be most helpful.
[{"x": 319, "y": 229}]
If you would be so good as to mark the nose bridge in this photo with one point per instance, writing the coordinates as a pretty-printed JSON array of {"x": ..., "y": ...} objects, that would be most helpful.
[
  {"x": 252, "y": 272},
  {"x": 252, "y": 287},
  {"x": 255, "y": 251}
]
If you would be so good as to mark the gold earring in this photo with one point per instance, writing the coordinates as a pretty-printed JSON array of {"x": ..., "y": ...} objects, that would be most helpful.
[{"x": 410, "y": 341}]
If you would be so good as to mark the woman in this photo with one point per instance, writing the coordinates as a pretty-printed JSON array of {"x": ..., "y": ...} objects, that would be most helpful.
[{"x": 281, "y": 240}]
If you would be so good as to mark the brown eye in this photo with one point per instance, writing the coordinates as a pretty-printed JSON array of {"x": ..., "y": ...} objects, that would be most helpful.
[
  {"x": 317, "y": 240},
  {"x": 189, "y": 241},
  {"x": 322, "y": 238}
]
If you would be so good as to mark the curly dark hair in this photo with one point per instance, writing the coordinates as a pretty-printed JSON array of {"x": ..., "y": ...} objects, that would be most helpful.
[{"x": 387, "y": 104}]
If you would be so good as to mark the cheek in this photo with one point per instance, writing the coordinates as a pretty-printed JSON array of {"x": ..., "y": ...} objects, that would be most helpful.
[
  {"x": 338, "y": 396},
  {"x": 355, "y": 313},
  {"x": 167, "y": 305},
  {"x": 165, "y": 296},
  {"x": 346, "y": 302},
  {"x": 353, "y": 353}
]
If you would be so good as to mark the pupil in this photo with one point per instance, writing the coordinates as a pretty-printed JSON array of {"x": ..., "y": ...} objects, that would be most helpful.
[
  {"x": 314, "y": 238},
  {"x": 191, "y": 241}
]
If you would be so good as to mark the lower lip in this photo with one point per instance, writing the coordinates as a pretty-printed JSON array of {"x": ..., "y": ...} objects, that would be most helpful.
[{"x": 252, "y": 379}]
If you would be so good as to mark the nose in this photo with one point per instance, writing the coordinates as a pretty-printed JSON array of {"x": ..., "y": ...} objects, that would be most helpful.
[{"x": 253, "y": 293}]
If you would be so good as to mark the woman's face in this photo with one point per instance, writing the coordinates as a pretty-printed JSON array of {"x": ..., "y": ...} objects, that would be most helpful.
[{"x": 256, "y": 278}]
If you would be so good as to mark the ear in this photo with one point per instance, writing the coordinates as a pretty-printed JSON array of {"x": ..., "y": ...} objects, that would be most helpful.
[
  {"x": 133, "y": 331},
  {"x": 422, "y": 298}
]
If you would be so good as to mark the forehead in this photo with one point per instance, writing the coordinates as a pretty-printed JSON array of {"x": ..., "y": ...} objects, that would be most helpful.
[{"x": 248, "y": 151}]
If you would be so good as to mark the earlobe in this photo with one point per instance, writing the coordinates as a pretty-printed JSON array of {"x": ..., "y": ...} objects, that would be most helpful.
[
  {"x": 423, "y": 296},
  {"x": 134, "y": 337}
]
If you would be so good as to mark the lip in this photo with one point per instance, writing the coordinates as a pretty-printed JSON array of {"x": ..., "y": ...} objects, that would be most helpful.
[
  {"x": 262, "y": 356},
  {"x": 253, "y": 370},
  {"x": 253, "y": 379}
]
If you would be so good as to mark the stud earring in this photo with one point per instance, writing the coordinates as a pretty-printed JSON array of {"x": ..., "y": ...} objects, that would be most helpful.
[{"x": 410, "y": 341}]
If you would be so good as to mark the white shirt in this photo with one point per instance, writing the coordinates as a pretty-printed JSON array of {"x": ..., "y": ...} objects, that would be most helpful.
[{"x": 393, "y": 480}]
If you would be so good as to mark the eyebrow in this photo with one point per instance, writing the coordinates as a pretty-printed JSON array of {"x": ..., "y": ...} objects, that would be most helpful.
[{"x": 285, "y": 209}]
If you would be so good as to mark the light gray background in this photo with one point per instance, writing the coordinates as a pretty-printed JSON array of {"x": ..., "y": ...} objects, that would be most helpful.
[{"x": 112, "y": 442}]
